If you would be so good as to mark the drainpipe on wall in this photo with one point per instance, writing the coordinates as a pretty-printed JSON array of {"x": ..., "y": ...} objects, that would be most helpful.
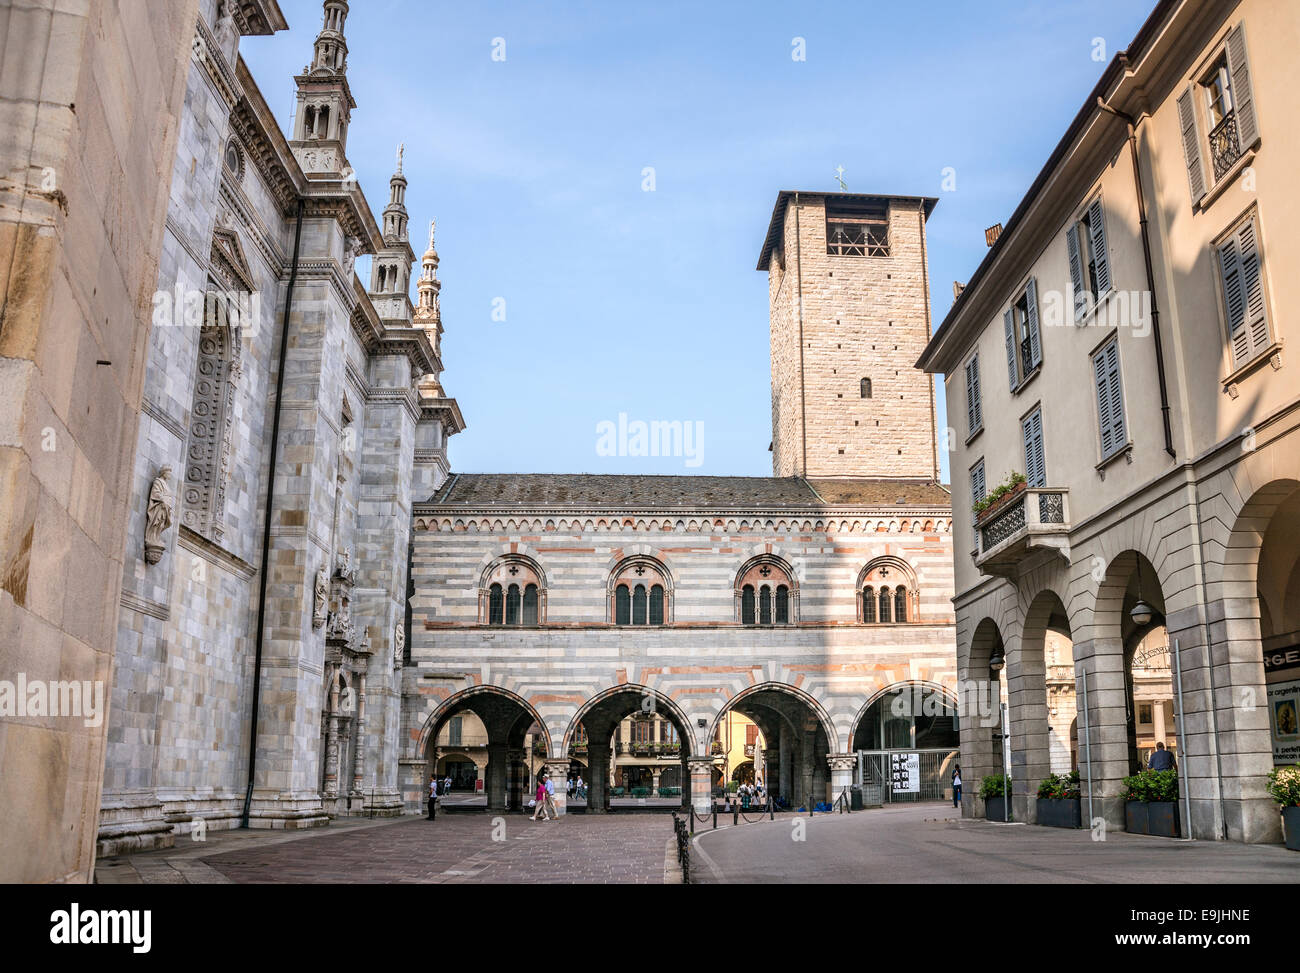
[
  {"x": 1146, "y": 257},
  {"x": 266, "y": 528}
]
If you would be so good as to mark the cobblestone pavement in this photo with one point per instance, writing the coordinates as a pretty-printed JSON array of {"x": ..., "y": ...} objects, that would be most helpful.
[
  {"x": 931, "y": 844},
  {"x": 458, "y": 848}
]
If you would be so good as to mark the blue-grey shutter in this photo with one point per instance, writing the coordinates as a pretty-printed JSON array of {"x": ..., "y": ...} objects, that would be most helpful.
[
  {"x": 977, "y": 492},
  {"x": 1035, "y": 344},
  {"x": 1110, "y": 399},
  {"x": 1032, "y": 430},
  {"x": 1097, "y": 221},
  {"x": 1076, "y": 271},
  {"x": 973, "y": 417},
  {"x": 1009, "y": 326},
  {"x": 1241, "y": 276},
  {"x": 1191, "y": 142},
  {"x": 1243, "y": 95}
]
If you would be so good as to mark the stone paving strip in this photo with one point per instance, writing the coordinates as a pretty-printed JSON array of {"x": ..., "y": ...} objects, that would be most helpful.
[{"x": 454, "y": 849}]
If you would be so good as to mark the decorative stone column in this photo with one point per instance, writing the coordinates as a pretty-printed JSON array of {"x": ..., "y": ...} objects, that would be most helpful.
[
  {"x": 332, "y": 754},
  {"x": 559, "y": 772},
  {"x": 516, "y": 785},
  {"x": 598, "y": 786},
  {"x": 807, "y": 768},
  {"x": 785, "y": 764},
  {"x": 842, "y": 766},
  {"x": 701, "y": 784}
]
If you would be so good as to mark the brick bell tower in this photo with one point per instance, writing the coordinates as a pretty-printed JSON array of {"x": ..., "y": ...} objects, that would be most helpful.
[{"x": 848, "y": 300}]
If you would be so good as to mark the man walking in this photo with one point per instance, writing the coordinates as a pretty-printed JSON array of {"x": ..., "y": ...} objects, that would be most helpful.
[
  {"x": 433, "y": 796},
  {"x": 1161, "y": 759},
  {"x": 550, "y": 797}
]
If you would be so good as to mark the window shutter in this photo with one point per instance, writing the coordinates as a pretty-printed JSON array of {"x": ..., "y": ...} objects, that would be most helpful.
[
  {"x": 1252, "y": 287},
  {"x": 1008, "y": 322},
  {"x": 1097, "y": 220},
  {"x": 1191, "y": 143},
  {"x": 1243, "y": 96},
  {"x": 973, "y": 417},
  {"x": 1110, "y": 399},
  {"x": 1243, "y": 294},
  {"x": 1104, "y": 421},
  {"x": 1076, "y": 271},
  {"x": 1035, "y": 469},
  {"x": 977, "y": 483},
  {"x": 1035, "y": 346}
]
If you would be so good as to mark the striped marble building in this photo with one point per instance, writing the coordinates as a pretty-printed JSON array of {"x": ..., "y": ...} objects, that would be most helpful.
[{"x": 560, "y": 604}]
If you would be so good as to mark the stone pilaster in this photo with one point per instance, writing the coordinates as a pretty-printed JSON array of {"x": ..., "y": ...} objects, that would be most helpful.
[
  {"x": 842, "y": 766},
  {"x": 701, "y": 778},
  {"x": 558, "y": 770}
]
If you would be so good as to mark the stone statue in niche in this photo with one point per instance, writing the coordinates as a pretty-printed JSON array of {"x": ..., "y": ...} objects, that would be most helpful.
[
  {"x": 346, "y": 572},
  {"x": 226, "y": 32},
  {"x": 399, "y": 644},
  {"x": 158, "y": 515},
  {"x": 351, "y": 248},
  {"x": 320, "y": 591}
]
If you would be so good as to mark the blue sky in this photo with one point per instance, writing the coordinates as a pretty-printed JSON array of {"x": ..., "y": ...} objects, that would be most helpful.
[{"x": 619, "y": 300}]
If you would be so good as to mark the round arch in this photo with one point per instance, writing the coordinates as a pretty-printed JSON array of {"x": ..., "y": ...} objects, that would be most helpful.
[
  {"x": 818, "y": 711},
  {"x": 459, "y": 700},
  {"x": 674, "y": 712}
]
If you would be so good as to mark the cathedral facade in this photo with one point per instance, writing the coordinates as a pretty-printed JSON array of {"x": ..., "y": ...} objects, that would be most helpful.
[{"x": 291, "y": 415}]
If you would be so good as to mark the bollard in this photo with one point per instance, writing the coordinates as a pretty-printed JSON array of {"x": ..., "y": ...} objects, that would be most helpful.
[
  {"x": 735, "y": 813},
  {"x": 715, "y": 815}
]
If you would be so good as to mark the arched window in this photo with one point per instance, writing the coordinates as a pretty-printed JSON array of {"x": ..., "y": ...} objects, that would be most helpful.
[
  {"x": 766, "y": 593},
  {"x": 890, "y": 601},
  {"x": 640, "y": 592},
  {"x": 512, "y": 591},
  {"x": 530, "y": 604},
  {"x": 864, "y": 388}
]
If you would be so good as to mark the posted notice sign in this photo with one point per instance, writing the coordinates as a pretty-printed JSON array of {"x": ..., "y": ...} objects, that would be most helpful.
[{"x": 905, "y": 773}]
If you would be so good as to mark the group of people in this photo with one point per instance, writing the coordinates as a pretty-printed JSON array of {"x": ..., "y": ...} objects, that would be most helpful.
[
  {"x": 752, "y": 795},
  {"x": 544, "y": 801},
  {"x": 577, "y": 787}
]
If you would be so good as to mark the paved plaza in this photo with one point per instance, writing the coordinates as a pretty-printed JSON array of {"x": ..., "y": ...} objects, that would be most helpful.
[
  {"x": 914, "y": 844},
  {"x": 930, "y": 844}
]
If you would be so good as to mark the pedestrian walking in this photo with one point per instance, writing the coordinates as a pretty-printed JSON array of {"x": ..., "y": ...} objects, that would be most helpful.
[
  {"x": 550, "y": 796},
  {"x": 956, "y": 785},
  {"x": 1161, "y": 759},
  {"x": 433, "y": 796},
  {"x": 539, "y": 800}
]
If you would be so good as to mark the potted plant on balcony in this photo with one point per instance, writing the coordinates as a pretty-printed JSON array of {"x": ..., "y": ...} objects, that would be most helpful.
[
  {"x": 1059, "y": 801},
  {"x": 999, "y": 497},
  {"x": 1284, "y": 786},
  {"x": 1152, "y": 803},
  {"x": 994, "y": 792}
]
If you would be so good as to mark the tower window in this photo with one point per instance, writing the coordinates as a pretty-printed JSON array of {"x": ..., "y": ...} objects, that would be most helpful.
[
  {"x": 864, "y": 388},
  {"x": 857, "y": 229}
]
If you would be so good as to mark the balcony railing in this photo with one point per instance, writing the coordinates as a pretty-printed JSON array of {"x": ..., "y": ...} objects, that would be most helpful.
[
  {"x": 749, "y": 749},
  {"x": 1225, "y": 147},
  {"x": 1010, "y": 531}
]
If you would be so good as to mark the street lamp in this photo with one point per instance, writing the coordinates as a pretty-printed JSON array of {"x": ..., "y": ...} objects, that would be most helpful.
[{"x": 1141, "y": 612}]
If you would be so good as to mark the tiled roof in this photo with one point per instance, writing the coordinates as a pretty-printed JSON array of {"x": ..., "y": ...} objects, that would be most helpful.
[{"x": 604, "y": 490}]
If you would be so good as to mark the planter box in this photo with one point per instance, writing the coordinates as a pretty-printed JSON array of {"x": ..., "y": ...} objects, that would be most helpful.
[
  {"x": 1135, "y": 817},
  {"x": 995, "y": 809},
  {"x": 1291, "y": 824},
  {"x": 1159, "y": 818},
  {"x": 1163, "y": 819},
  {"x": 998, "y": 505},
  {"x": 1059, "y": 813}
]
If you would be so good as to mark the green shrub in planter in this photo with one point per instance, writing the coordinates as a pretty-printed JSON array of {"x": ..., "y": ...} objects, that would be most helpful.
[
  {"x": 1060, "y": 787},
  {"x": 640, "y": 792},
  {"x": 616, "y": 792},
  {"x": 670, "y": 792},
  {"x": 994, "y": 785},
  {"x": 1058, "y": 803},
  {"x": 1152, "y": 803},
  {"x": 1284, "y": 786}
]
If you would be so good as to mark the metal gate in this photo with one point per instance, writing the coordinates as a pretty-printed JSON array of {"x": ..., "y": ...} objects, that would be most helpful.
[{"x": 905, "y": 776}]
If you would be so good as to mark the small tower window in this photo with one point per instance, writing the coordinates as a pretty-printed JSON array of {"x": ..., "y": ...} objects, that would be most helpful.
[
  {"x": 747, "y": 605},
  {"x": 884, "y": 605},
  {"x": 864, "y": 388}
]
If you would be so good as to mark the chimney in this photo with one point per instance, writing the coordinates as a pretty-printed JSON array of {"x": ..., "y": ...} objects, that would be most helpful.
[{"x": 992, "y": 233}]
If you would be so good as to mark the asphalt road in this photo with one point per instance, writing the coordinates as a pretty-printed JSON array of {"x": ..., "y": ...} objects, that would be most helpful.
[{"x": 930, "y": 844}]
